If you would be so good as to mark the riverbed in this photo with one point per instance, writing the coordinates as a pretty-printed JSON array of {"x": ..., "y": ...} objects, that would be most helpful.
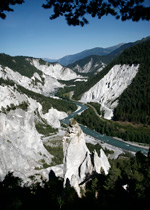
[{"x": 107, "y": 139}]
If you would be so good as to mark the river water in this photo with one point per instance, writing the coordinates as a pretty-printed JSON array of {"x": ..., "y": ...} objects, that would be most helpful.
[{"x": 104, "y": 138}]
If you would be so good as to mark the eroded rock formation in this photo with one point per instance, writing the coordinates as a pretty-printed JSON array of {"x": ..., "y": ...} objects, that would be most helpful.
[{"x": 79, "y": 163}]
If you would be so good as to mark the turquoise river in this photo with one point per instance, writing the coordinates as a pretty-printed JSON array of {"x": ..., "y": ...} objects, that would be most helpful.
[{"x": 107, "y": 139}]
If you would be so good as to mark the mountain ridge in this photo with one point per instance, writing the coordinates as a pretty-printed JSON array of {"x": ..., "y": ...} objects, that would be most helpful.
[
  {"x": 81, "y": 64},
  {"x": 66, "y": 60}
]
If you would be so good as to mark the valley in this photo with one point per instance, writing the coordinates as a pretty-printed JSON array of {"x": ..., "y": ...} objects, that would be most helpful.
[
  {"x": 107, "y": 139},
  {"x": 79, "y": 121}
]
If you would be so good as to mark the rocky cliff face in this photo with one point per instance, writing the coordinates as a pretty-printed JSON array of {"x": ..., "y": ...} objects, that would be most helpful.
[
  {"x": 44, "y": 84},
  {"x": 21, "y": 147},
  {"x": 79, "y": 163},
  {"x": 110, "y": 87},
  {"x": 56, "y": 70}
]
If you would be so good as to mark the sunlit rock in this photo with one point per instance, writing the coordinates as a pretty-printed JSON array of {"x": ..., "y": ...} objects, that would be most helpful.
[{"x": 79, "y": 163}]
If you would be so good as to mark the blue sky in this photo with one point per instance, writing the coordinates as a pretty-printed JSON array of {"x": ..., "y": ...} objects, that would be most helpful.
[{"x": 28, "y": 31}]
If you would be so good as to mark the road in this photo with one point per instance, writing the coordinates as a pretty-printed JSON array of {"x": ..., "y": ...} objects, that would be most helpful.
[{"x": 109, "y": 140}]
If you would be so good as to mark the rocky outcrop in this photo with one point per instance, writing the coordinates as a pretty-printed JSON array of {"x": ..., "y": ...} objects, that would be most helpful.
[
  {"x": 21, "y": 146},
  {"x": 110, "y": 87},
  {"x": 79, "y": 163}
]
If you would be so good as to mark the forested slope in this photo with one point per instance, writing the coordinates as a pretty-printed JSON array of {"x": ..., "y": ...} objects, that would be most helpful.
[
  {"x": 19, "y": 64},
  {"x": 127, "y": 186},
  {"x": 134, "y": 103}
]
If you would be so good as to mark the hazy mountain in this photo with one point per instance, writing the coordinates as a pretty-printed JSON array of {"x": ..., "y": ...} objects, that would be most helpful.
[
  {"x": 91, "y": 64},
  {"x": 118, "y": 51},
  {"x": 66, "y": 60},
  {"x": 95, "y": 63}
]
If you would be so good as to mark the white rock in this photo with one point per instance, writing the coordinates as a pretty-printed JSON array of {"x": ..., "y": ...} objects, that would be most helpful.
[
  {"x": 110, "y": 87},
  {"x": 104, "y": 160},
  {"x": 53, "y": 117},
  {"x": 56, "y": 70},
  {"x": 79, "y": 164},
  {"x": 75, "y": 151},
  {"x": 45, "y": 88},
  {"x": 21, "y": 146}
]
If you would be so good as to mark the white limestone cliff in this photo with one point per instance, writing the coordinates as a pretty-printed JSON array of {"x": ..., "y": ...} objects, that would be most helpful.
[
  {"x": 110, "y": 87},
  {"x": 34, "y": 83},
  {"x": 55, "y": 70},
  {"x": 79, "y": 163},
  {"x": 21, "y": 146}
]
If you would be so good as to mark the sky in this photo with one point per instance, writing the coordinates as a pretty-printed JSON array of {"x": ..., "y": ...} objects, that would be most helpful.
[{"x": 28, "y": 31}]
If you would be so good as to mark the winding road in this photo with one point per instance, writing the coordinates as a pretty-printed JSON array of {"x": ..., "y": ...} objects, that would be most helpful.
[{"x": 109, "y": 140}]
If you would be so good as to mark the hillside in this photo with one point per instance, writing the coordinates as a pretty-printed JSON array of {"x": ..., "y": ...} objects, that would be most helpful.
[
  {"x": 134, "y": 103},
  {"x": 28, "y": 114},
  {"x": 110, "y": 87},
  {"x": 95, "y": 63},
  {"x": 138, "y": 90},
  {"x": 27, "y": 66},
  {"x": 89, "y": 65}
]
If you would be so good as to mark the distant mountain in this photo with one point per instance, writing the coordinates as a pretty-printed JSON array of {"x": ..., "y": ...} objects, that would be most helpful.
[
  {"x": 50, "y": 60},
  {"x": 66, "y": 60},
  {"x": 91, "y": 64},
  {"x": 95, "y": 63},
  {"x": 119, "y": 50}
]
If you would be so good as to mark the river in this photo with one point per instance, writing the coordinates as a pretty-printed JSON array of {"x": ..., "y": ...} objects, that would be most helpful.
[{"x": 109, "y": 140}]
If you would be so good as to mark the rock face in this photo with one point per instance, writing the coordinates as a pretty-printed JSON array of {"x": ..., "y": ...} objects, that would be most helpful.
[
  {"x": 55, "y": 70},
  {"x": 21, "y": 146},
  {"x": 35, "y": 83},
  {"x": 110, "y": 87},
  {"x": 79, "y": 163}
]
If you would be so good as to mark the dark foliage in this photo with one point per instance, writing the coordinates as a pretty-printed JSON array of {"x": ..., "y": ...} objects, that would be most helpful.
[
  {"x": 127, "y": 186},
  {"x": 134, "y": 103},
  {"x": 126, "y": 132},
  {"x": 48, "y": 102},
  {"x": 19, "y": 64},
  {"x": 5, "y": 6},
  {"x": 96, "y": 107},
  {"x": 75, "y": 11}
]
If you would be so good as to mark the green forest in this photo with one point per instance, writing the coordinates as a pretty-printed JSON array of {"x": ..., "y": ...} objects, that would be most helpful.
[
  {"x": 45, "y": 101},
  {"x": 127, "y": 132},
  {"x": 127, "y": 186},
  {"x": 134, "y": 103},
  {"x": 19, "y": 64},
  {"x": 48, "y": 102}
]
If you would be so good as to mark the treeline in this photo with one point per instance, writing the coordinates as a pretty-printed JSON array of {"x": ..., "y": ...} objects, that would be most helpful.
[
  {"x": 19, "y": 64},
  {"x": 97, "y": 107},
  {"x": 83, "y": 87},
  {"x": 48, "y": 102},
  {"x": 96, "y": 59},
  {"x": 45, "y": 101},
  {"x": 127, "y": 132},
  {"x": 127, "y": 186},
  {"x": 134, "y": 103}
]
